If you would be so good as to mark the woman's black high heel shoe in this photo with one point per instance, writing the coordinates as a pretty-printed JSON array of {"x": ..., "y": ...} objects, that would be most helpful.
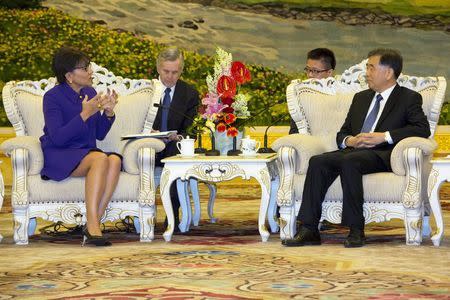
[{"x": 89, "y": 239}]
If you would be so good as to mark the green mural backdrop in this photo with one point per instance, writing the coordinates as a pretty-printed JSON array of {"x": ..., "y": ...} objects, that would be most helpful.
[{"x": 271, "y": 36}]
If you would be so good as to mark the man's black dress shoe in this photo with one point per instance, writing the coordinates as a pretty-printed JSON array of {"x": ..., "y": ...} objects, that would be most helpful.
[
  {"x": 304, "y": 237},
  {"x": 355, "y": 239}
]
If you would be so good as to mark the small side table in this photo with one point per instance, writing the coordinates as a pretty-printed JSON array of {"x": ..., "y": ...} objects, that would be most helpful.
[
  {"x": 262, "y": 167},
  {"x": 440, "y": 173}
]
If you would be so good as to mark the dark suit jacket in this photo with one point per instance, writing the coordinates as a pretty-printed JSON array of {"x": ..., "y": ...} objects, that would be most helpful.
[
  {"x": 184, "y": 103},
  {"x": 402, "y": 116},
  {"x": 293, "y": 128}
]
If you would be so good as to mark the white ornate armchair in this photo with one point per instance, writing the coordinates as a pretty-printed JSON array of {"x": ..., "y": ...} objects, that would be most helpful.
[
  {"x": 33, "y": 197},
  {"x": 318, "y": 108}
]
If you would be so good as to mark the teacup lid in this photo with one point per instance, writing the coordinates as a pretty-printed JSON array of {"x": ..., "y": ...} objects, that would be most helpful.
[{"x": 187, "y": 139}]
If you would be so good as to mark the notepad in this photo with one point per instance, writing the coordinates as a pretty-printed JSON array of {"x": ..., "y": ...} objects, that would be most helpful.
[{"x": 156, "y": 135}]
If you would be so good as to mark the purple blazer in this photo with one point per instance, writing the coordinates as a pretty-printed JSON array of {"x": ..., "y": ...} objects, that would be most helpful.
[{"x": 67, "y": 138}]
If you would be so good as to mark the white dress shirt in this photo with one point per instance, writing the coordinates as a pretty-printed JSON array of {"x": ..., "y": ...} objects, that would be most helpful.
[
  {"x": 385, "y": 94},
  {"x": 172, "y": 91}
]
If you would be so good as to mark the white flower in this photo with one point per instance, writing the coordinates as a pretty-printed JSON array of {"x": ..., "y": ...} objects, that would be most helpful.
[
  {"x": 222, "y": 66},
  {"x": 211, "y": 82},
  {"x": 223, "y": 62},
  {"x": 240, "y": 106}
]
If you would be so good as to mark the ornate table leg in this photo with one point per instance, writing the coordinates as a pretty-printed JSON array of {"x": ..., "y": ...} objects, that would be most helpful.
[
  {"x": 264, "y": 180},
  {"x": 32, "y": 224},
  {"x": 212, "y": 197},
  {"x": 166, "y": 180},
  {"x": 272, "y": 214},
  {"x": 183, "y": 196},
  {"x": 434, "y": 183},
  {"x": 426, "y": 229},
  {"x": 193, "y": 184}
]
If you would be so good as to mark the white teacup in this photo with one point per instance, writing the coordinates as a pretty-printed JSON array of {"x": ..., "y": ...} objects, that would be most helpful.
[
  {"x": 186, "y": 146},
  {"x": 249, "y": 146}
]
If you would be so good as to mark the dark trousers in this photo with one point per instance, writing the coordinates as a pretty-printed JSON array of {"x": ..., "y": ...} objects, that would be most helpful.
[
  {"x": 170, "y": 150},
  {"x": 350, "y": 164}
]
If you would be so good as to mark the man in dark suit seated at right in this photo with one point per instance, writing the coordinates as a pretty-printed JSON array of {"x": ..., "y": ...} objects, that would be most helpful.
[{"x": 378, "y": 119}]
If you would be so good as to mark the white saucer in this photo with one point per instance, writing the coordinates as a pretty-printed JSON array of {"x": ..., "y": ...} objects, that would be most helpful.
[{"x": 248, "y": 155}]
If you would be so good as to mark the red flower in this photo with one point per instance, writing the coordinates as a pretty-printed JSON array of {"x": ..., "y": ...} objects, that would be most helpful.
[
  {"x": 221, "y": 127},
  {"x": 226, "y": 86},
  {"x": 230, "y": 118},
  {"x": 229, "y": 110},
  {"x": 240, "y": 73},
  {"x": 227, "y": 101},
  {"x": 232, "y": 131}
]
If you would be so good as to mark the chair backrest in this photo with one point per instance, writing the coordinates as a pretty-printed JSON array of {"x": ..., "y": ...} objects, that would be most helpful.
[
  {"x": 135, "y": 112},
  {"x": 319, "y": 107}
]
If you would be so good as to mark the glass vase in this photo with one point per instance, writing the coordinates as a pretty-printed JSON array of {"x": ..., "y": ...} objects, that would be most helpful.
[{"x": 224, "y": 143}]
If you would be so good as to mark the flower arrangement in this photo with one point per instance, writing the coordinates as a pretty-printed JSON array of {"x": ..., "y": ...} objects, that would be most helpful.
[{"x": 223, "y": 108}]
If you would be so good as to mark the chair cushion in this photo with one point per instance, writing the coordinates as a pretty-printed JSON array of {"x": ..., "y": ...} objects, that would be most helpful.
[
  {"x": 428, "y": 97},
  {"x": 326, "y": 114},
  {"x": 72, "y": 189},
  {"x": 378, "y": 187},
  {"x": 131, "y": 111},
  {"x": 52, "y": 191},
  {"x": 30, "y": 110}
]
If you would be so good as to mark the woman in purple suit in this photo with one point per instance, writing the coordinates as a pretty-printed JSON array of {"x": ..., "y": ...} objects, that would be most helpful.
[{"x": 73, "y": 122}]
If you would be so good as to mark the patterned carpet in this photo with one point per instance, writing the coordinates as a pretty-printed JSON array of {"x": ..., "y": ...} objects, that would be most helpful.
[{"x": 226, "y": 260}]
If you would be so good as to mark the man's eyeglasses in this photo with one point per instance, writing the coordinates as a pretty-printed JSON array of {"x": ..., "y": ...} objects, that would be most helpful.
[
  {"x": 314, "y": 71},
  {"x": 85, "y": 68}
]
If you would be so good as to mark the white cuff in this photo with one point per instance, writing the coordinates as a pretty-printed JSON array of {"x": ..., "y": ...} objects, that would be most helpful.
[
  {"x": 387, "y": 137},
  {"x": 343, "y": 145}
]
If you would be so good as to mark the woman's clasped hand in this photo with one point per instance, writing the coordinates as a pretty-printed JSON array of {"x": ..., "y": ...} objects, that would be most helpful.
[{"x": 102, "y": 101}]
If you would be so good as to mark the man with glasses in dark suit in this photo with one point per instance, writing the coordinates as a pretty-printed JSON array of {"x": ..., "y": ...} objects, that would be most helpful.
[{"x": 320, "y": 63}]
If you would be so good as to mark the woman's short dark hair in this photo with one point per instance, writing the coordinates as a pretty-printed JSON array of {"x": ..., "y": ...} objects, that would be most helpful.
[
  {"x": 66, "y": 59},
  {"x": 389, "y": 57},
  {"x": 323, "y": 54}
]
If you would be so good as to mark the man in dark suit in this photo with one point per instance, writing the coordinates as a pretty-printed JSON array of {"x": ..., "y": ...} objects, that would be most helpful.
[
  {"x": 182, "y": 100},
  {"x": 320, "y": 63},
  {"x": 378, "y": 118}
]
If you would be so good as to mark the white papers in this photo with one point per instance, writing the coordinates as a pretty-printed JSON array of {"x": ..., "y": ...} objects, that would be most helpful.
[{"x": 156, "y": 135}]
